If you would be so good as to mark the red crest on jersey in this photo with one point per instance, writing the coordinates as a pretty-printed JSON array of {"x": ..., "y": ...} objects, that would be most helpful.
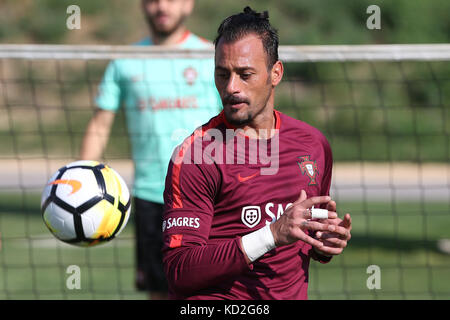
[
  {"x": 309, "y": 167},
  {"x": 190, "y": 74}
]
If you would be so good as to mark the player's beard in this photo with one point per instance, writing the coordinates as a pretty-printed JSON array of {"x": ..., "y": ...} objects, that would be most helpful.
[
  {"x": 164, "y": 33},
  {"x": 252, "y": 111}
]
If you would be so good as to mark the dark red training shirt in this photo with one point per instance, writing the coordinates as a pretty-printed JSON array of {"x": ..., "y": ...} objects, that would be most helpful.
[{"x": 216, "y": 193}]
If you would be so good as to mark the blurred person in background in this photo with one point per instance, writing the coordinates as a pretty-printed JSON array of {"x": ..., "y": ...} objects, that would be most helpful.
[{"x": 164, "y": 101}]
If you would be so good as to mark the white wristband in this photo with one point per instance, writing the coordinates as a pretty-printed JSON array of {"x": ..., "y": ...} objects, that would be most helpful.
[{"x": 257, "y": 243}]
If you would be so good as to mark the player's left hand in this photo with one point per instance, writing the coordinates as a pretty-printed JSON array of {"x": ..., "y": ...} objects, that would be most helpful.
[{"x": 334, "y": 241}]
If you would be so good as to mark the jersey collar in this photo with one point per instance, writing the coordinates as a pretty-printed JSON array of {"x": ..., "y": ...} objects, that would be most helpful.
[{"x": 230, "y": 126}]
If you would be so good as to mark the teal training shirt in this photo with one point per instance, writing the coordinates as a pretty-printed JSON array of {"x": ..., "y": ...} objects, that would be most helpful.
[{"x": 164, "y": 101}]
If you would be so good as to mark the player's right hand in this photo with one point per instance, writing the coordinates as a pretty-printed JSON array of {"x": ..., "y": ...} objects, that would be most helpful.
[{"x": 294, "y": 224}]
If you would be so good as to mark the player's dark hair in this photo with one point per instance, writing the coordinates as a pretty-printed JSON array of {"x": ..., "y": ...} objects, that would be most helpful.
[{"x": 239, "y": 25}]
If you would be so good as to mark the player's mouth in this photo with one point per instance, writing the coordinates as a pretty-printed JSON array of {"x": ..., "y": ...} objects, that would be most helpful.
[
  {"x": 237, "y": 106},
  {"x": 235, "y": 103},
  {"x": 162, "y": 19}
]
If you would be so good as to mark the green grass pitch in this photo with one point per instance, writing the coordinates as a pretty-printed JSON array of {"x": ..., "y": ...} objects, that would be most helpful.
[{"x": 400, "y": 238}]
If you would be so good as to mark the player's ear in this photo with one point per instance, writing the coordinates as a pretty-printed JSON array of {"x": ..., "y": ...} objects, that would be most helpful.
[{"x": 277, "y": 73}]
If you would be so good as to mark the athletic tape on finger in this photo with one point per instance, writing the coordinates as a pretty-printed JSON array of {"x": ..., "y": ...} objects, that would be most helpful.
[{"x": 319, "y": 213}]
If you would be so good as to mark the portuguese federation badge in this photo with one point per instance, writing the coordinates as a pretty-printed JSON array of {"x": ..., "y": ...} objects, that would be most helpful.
[{"x": 309, "y": 168}]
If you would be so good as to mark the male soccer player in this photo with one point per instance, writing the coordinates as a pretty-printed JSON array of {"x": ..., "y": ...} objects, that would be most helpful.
[
  {"x": 234, "y": 227},
  {"x": 164, "y": 101}
]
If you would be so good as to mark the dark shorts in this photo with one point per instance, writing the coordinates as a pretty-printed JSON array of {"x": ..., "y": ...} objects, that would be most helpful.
[{"x": 148, "y": 221}]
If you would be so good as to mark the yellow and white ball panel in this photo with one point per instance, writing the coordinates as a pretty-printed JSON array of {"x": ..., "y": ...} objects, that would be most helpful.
[
  {"x": 111, "y": 183},
  {"x": 125, "y": 221},
  {"x": 60, "y": 222},
  {"x": 124, "y": 197},
  {"x": 120, "y": 185},
  {"x": 101, "y": 220},
  {"x": 77, "y": 186}
]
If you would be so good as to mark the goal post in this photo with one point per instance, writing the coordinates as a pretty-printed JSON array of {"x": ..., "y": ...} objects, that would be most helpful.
[{"x": 392, "y": 52}]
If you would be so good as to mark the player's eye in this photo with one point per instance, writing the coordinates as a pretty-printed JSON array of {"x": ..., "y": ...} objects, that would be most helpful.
[
  {"x": 222, "y": 75},
  {"x": 246, "y": 76}
]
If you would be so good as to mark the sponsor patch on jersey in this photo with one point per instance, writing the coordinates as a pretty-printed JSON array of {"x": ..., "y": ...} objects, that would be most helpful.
[
  {"x": 189, "y": 222},
  {"x": 251, "y": 215},
  {"x": 270, "y": 212}
]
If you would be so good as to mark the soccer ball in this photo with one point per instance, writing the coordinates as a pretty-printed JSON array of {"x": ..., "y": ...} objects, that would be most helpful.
[{"x": 85, "y": 203}]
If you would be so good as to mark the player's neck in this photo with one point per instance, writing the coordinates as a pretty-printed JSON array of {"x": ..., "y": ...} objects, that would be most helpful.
[
  {"x": 174, "y": 38},
  {"x": 263, "y": 125}
]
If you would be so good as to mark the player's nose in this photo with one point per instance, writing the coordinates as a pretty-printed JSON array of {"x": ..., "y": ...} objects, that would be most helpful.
[
  {"x": 232, "y": 86},
  {"x": 163, "y": 6}
]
